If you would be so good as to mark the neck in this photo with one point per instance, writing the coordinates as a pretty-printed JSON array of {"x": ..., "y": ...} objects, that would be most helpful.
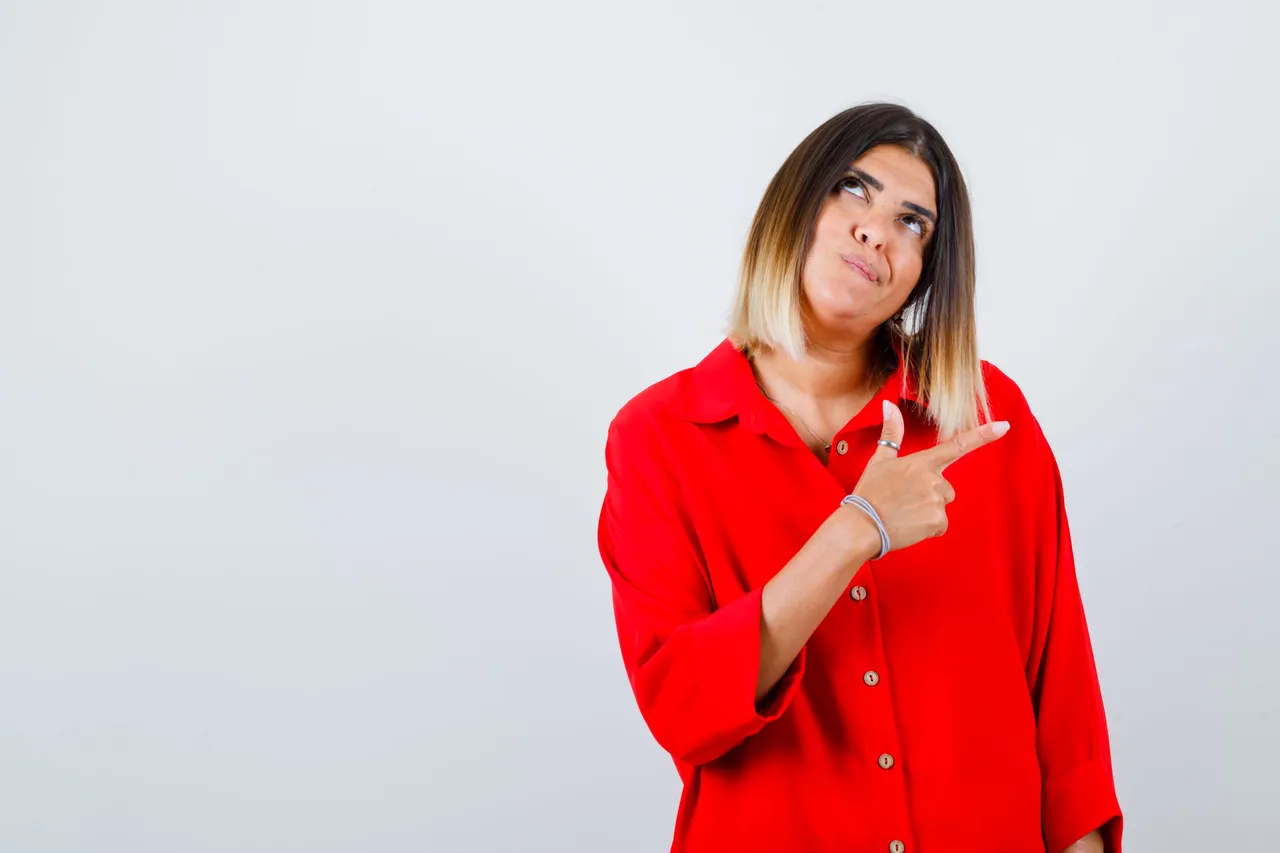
[{"x": 828, "y": 374}]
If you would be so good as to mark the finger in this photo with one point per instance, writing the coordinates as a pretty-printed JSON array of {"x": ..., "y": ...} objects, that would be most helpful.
[
  {"x": 893, "y": 430},
  {"x": 965, "y": 442},
  {"x": 948, "y": 491}
]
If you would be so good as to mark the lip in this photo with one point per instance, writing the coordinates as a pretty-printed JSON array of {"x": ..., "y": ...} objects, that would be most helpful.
[{"x": 866, "y": 269}]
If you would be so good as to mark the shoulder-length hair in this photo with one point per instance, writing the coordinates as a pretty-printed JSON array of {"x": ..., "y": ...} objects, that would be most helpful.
[{"x": 935, "y": 331}]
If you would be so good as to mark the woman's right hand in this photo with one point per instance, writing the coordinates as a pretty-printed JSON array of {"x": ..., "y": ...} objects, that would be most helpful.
[{"x": 909, "y": 492}]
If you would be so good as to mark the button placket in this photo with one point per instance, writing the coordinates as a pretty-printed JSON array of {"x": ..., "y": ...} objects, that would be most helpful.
[{"x": 885, "y": 735}]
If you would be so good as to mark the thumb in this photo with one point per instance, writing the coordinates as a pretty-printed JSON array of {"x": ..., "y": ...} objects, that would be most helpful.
[{"x": 893, "y": 431}]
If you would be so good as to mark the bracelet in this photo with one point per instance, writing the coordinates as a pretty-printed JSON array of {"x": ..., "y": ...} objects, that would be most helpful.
[{"x": 863, "y": 504}]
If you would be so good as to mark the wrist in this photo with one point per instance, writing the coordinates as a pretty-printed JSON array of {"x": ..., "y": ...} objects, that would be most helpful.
[{"x": 862, "y": 537}]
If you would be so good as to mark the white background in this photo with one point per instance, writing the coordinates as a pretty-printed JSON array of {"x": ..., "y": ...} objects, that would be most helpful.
[{"x": 313, "y": 316}]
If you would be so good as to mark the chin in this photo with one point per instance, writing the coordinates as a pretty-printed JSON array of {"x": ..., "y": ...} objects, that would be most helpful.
[
  {"x": 838, "y": 304},
  {"x": 840, "y": 324}
]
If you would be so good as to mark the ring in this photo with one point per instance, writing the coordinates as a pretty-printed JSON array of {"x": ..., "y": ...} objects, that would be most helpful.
[{"x": 887, "y": 443}]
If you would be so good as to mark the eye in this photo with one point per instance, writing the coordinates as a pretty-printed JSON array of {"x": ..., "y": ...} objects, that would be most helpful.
[
  {"x": 915, "y": 223},
  {"x": 847, "y": 182}
]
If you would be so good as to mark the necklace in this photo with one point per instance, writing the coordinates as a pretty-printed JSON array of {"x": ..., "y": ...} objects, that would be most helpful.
[{"x": 826, "y": 445}]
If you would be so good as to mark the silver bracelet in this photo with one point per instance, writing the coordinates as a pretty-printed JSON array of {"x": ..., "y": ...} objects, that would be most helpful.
[{"x": 863, "y": 504}]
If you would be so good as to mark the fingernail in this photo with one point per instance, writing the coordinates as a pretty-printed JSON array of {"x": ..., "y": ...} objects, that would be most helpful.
[
  {"x": 888, "y": 409},
  {"x": 1001, "y": 427}
]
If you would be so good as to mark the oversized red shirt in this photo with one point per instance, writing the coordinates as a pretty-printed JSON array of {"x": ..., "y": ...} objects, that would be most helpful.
[{"x": 947, "y": 703}]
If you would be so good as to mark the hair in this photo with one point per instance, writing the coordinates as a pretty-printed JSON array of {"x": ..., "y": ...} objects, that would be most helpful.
[{"x": 936, "y": 330}]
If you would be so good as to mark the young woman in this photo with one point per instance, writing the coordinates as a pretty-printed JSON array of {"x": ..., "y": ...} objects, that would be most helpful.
[{"x": 842, "y": 572}]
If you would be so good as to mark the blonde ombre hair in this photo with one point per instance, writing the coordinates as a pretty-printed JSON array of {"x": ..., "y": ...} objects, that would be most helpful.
[{"x": 936, "y": 330}]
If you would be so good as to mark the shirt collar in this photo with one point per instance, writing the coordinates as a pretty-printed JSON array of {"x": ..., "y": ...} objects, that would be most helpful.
[{"x": 722, "y": 386}]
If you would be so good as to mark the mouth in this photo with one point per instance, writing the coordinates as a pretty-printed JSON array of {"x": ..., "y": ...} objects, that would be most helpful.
[{"x": 858, "y": 266}]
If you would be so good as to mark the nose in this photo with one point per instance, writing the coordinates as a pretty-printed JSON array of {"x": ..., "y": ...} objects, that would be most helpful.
[{"x": 869, "y": 231}]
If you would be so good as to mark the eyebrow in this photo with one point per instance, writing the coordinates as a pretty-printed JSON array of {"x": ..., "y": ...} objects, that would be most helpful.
[
  {"x": 877, "y": 186},
  {"x": 923, "y": 211}
]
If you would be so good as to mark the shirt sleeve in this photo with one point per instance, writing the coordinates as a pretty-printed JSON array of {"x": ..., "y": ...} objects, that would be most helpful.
[
  {"x": 692, "y": 662},
  {"x": 1075, "y": 757}
]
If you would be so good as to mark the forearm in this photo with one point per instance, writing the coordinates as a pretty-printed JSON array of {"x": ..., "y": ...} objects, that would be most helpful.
[
  {"x": 1091, "y": 843},
  {"x": 797, "y": 599}
]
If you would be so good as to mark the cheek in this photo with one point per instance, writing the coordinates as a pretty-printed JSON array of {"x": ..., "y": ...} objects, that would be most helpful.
[
  {"x": 907, "y": 262},
  {"x": 822, "y": 274},
  {"x": 823, "y": 260},
  {"x": 835, "y": 220}
]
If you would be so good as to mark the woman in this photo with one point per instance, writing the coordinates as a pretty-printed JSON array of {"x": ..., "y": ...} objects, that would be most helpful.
[{"x": 842, "y": 573}]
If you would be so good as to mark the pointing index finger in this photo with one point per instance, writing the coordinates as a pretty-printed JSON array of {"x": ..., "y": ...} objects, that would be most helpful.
[{"x": 964, "y": 442}]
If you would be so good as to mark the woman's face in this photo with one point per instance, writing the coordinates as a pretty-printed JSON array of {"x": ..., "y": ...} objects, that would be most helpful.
[{"x": 868, "y": 243}]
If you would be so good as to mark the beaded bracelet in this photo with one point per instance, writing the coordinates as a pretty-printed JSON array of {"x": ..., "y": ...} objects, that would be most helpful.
[{"x": 863, "y": 504}]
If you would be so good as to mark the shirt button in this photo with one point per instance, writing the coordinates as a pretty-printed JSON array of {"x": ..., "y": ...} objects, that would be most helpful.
[
  {"x": 858, "y": 593},
  {"x": 896, "y": 847},
  {"x": 872, "y": 678},
  {"x": 842, "y": 447},
  {"x": 886, "y": 761}
]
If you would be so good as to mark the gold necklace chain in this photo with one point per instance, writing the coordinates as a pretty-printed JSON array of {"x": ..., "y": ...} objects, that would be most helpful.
[{"x": 826, "y": 445}]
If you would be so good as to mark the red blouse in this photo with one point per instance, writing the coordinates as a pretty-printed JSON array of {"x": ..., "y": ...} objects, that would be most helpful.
[{"x": 947, "y": 703}]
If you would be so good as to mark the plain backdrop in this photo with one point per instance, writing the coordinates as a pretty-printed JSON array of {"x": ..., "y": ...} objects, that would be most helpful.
[{"x": 313, "y": 317}]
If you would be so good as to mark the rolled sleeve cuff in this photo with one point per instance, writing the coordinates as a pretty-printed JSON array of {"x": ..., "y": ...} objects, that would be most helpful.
[
  {"x": 1078, "y": 802},
  {"x": 732, "y": 643}
]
